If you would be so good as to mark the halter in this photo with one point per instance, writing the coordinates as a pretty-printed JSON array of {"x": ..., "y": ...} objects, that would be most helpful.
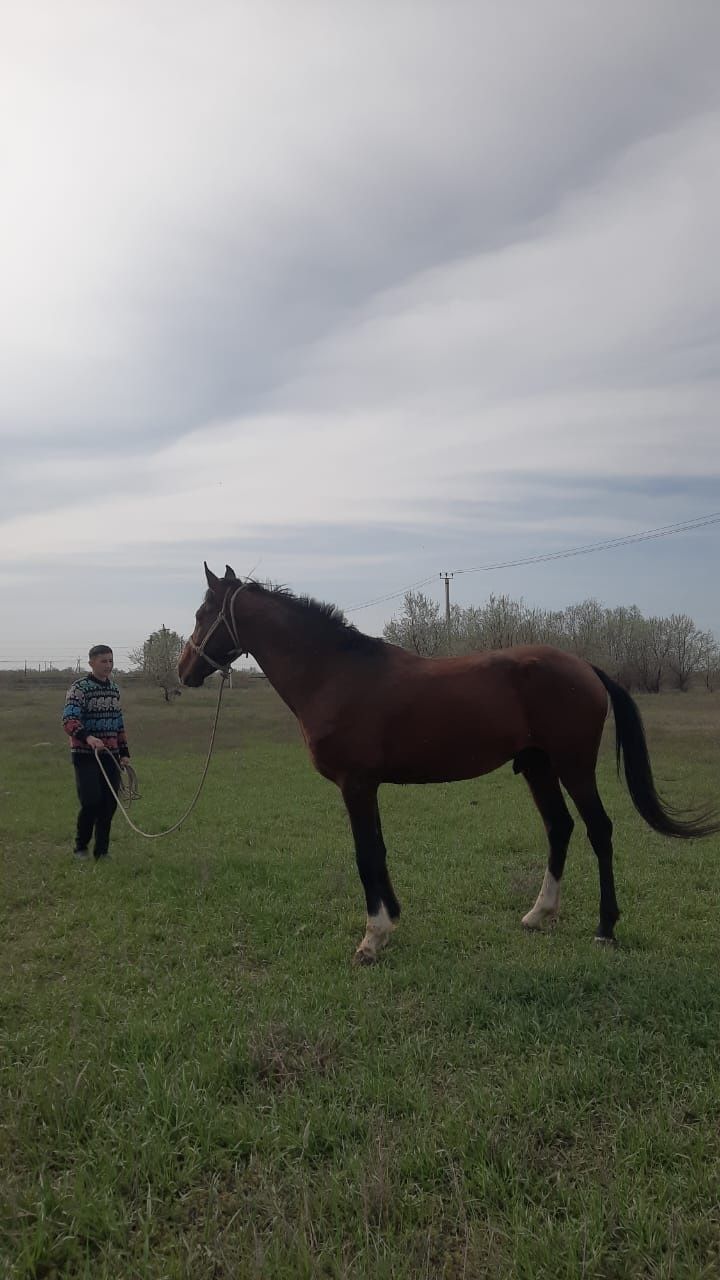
[{"x": 229, "y": 621}]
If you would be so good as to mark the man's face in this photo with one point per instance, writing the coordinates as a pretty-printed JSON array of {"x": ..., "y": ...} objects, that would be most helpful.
[{"x": 101, "y": 665}]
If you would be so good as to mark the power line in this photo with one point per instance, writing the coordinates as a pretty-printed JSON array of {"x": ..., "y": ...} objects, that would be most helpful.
[
  {"x": 665, "y": 531},
  {"x": 393, "y": 595},
  {"x": 647, "y": 535}
]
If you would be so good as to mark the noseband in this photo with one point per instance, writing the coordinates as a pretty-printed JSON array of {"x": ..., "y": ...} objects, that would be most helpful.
[{"x": 225, "y": 616}]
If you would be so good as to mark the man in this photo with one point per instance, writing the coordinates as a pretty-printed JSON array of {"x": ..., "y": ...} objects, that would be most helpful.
[{"x": 93, "y": 720}]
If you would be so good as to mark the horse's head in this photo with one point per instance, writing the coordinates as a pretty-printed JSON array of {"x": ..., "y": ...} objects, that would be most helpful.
[{"x": 214, "y": 643}]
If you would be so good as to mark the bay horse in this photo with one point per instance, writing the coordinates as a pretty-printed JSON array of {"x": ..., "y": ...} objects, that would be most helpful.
[{"x": 371, "y": 712}]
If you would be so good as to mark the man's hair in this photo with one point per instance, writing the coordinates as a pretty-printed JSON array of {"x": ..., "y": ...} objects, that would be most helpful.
[{"x": 97, "y": 649}]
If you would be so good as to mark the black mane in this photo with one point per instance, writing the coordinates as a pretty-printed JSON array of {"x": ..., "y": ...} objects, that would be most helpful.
[{"x": 327, "y": 619}]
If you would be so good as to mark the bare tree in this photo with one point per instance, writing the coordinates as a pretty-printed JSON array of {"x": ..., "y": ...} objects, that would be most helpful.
[
  {"x": 158, "y": 661},
  {"x": 710, "y": 661},
  {"x": 419, "y": 627},
  {"x": 581, "y": 626},
  {"x": 685, "y": 647}
]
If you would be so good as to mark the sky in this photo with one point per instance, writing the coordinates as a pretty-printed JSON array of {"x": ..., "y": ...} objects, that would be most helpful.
[{"x": 352, "y": 295}]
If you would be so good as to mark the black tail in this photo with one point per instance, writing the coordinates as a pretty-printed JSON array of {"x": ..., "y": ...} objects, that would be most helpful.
[{"x": 631, "y": 745}]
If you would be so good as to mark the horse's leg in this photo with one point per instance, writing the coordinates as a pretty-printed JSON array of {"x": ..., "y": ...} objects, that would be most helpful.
[
  {"x": 388, "y": 893},
  {"x": 583, "y": 789},
  {"x": 383, "y": 908},
  {"x": 545, "y": 788}
]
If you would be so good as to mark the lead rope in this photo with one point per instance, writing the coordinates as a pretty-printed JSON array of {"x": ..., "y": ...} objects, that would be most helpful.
[{"x": 155, "y": 835}]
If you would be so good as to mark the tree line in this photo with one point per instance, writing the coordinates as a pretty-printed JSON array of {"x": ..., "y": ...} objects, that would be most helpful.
[
  {"x": 647, "y": 654},
  {"x": 155, "y": 661}
]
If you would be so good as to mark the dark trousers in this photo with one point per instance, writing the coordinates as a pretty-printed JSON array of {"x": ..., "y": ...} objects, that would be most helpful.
[{"x": 97, "y": 802}]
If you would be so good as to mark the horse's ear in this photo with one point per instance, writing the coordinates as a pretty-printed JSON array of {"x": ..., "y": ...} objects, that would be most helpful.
[
  {"x": 212, "y": 581},
  {"x": 229, "y": 573}
]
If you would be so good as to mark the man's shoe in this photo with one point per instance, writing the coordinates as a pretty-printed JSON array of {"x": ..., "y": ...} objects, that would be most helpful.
[
  {"x": 81, "y": 854},
  {"x": 101, "y": 857}
]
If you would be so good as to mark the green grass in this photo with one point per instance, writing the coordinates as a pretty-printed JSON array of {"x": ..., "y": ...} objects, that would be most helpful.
[{"x": 195, "y": 1082}]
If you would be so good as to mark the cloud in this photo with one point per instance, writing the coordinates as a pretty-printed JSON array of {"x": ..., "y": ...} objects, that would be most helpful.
[
  {"x": 581, "y": 347},
  {"x": 189, "y": 197},
  {"x": 276, "y": 271}
]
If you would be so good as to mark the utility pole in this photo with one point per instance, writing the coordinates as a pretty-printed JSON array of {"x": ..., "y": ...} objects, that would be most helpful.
[{"x": 446, "y": 579}]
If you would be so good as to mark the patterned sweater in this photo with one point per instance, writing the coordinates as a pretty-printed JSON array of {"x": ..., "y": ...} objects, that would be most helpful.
[{"x": 92, "y": 707}]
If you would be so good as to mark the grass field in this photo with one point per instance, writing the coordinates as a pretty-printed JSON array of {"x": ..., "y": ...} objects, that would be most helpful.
[{"x": 196, "y": 1083}]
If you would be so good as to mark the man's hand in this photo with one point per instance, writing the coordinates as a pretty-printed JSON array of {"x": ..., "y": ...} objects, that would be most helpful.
[
  {"x": 123, "y": 761},
  {"x": 97, "y": 744}
]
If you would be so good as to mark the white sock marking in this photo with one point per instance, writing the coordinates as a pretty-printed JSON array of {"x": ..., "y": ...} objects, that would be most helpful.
[
  {"x": 547, "y": 905},
  {"x": 377, "y": 933}
]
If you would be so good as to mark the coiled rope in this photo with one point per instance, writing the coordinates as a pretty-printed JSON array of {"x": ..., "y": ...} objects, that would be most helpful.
[{"x": 131, "y": 790}]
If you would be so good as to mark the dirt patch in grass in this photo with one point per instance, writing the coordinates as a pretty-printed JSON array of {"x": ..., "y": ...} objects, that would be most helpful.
[{"x": 281, "y": 1056}]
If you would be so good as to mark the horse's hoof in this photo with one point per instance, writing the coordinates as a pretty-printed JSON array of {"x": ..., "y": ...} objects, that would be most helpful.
[
  {"x": 364, "y": 957},
  {"x": 538, "y": 923}
]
